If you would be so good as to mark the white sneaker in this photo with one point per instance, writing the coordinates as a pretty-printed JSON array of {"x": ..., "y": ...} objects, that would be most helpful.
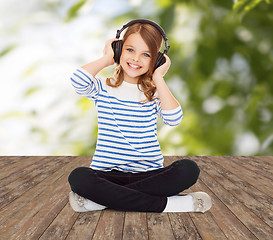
[
  {"x": 81, "y": 204},
  {"x": 77, "y": 202},
  {"x": 201, "y": 201}
]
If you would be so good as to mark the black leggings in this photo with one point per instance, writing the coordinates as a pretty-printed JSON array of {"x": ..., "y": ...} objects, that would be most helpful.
[{"x": 138, "y": 192}]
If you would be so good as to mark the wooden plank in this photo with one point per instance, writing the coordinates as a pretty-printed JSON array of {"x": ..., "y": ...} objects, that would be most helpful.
[
  {"x": 61, "y": 225},
  {"x": 247, "y": 217},
  {"x": 260, "y": 182},
  {"x": 243, "y": 175},
  {"x": 27, "y": 166},
  {"x": 37, "y": 222},
  {"x": 135, "y": 226},
  {"x": 236, "y": 186},
  {"x": 5, "y": 160},
  {"x": 251, "y": 189},
  {"x": 8, "y": 161},
  {"x": 181, "y": 223},
  {"x": 223, "y": 217},
  {"x": 265, "y": 159},
  {"x": 85, "y": 225},
  {"x": 15, "y": 206},
  {"x": 110, "y": 225},
  {"x": 15, "y": 189},
  {"x": 183, "y": 227},
  {"x": 54, "y": 203},
  {"x": 159, "y": 226},
  {"x": 259, "y": 167},
  {"x": 207, "y": 227},
  {"x": 16, "y": 214},
  {"x": 236, "y": 204},
  {"x": 205, "y": 223},
  {"x": 261, "y": 162},
  {"x": 18, "y": 165}
]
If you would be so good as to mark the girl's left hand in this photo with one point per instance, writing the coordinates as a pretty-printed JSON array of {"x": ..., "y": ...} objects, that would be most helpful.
[{"x": 163, "y": 69}]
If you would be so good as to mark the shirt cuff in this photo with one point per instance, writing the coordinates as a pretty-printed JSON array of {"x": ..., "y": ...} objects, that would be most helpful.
[{"x": 171, "y": 111}]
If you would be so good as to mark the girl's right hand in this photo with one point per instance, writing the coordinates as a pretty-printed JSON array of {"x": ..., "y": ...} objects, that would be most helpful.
[{"x": 108, "y": 52}]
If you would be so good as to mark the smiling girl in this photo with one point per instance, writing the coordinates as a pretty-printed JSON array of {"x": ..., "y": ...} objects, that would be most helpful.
[{"x": 127, "y": 172}]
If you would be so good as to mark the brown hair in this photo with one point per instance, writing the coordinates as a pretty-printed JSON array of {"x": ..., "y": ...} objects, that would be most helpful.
[{"x": 153, "y": 39}]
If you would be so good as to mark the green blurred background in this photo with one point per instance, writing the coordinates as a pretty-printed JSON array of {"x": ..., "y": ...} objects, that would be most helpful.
[{"x": 221, "y": 73}]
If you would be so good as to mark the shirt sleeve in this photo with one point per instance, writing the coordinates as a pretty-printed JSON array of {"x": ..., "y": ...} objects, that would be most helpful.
[
  {"x": 85, "y": 84},
  {"x": 170, "y": 117}
]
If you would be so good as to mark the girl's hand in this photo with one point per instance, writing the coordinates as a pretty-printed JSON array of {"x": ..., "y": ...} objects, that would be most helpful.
[
  {"x": 163, "y": 69},
  {"x": 108, "y": 52}
]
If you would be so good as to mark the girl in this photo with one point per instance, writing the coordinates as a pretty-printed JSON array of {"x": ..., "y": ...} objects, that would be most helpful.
[{"x": 127, "y": 172}]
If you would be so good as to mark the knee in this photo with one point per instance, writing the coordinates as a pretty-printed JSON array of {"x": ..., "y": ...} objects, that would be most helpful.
[
  {"x": 190, "y": 167},
  {"x": 76, "y": 177}
]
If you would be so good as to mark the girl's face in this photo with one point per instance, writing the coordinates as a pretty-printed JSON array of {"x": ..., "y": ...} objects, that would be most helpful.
[{"x": 135, "y": 58}]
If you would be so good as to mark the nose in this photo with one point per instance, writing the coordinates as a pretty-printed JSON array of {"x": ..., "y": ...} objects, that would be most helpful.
[{"x": 136, "y": 57}]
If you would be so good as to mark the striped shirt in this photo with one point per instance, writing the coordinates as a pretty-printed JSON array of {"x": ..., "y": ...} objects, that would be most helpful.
[{"x": 127, "y": 129}]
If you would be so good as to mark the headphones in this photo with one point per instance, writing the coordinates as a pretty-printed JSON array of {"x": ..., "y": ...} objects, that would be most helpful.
[{"x": 117, "y": 45}]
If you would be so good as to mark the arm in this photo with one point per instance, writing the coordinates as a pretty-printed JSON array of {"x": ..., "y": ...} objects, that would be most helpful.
[
  {"x": 96, "y": 66},
  {"x": 167, "y": 100},
  {"x": 169, "y": 108},
  {"x": 106, "y": 60},
  {"x": 83, "y": 79}
]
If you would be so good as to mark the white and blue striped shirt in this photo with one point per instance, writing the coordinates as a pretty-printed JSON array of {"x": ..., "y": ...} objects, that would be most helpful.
[{"x": 127, "y": 130}]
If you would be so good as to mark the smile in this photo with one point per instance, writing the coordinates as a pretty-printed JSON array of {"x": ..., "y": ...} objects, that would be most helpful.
[{"x": 133, "y": 66}]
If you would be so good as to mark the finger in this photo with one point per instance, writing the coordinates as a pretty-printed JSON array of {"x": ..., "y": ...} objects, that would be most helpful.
[
  {"x": 113, "y": 40},
  {"x": 109, "y": 41},
  {"x": 167, "y": 58}
]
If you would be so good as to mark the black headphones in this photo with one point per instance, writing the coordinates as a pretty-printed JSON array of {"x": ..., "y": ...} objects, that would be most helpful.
[{"x": 117, "y": 45}]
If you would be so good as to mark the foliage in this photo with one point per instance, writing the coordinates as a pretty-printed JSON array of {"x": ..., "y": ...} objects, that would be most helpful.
[
  {"x": 243, "y": 6},
  {"x": 232, "y": 63},
  {"x": 221, "y": 73}
]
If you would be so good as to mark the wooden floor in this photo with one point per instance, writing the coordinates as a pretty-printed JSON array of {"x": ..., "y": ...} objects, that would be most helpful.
[{"x": 34, "y": 203}]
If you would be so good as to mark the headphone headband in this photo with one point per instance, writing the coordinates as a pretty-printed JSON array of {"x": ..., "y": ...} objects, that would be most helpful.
[{"x": 146, "y": 21}]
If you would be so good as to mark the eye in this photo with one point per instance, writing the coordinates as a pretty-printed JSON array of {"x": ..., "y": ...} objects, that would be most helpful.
[
  {"x": 129, "y": 49},
  {"x": 146, "y": 55}
]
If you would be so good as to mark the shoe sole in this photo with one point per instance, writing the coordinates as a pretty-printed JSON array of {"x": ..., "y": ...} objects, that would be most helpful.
[
  {"x": 205, "y": 197},
  {"x": 74, "y": 204}
]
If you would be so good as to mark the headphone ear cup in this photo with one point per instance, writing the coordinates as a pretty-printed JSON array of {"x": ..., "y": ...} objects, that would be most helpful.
[
  {"x": 160, "y": 60},
  {"x": 117, "y": 48}
]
